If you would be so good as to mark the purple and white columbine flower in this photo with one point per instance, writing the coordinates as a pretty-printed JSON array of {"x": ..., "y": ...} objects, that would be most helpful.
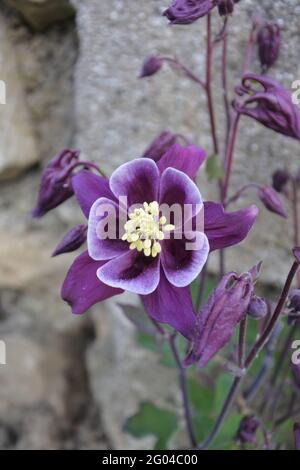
[{"x": 145, "y": 257}]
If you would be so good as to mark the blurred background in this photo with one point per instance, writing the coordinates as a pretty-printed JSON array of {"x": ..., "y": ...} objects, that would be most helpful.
[{"x": 70, "y": 69}]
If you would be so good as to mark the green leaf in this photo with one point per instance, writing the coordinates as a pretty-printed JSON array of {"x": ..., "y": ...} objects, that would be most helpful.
[
  {"x": 213, "y": 168},
  {"x": 151, "y": 420}
]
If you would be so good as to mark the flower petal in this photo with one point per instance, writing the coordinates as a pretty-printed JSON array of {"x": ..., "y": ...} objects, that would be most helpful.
[
  {"x": 88, "y": 187},
  {"x": 81, "y": 288},
  {"x": 179, "y": 196},
  {"x": 132, "y": 271},
  {"x": 187, "y": 159},
  {"x": 105, "y": 220},
  {"x": 225, "y": 229},
  {"x": 182, "y": 263},
  {"x": 138, "y": 180},
  {"x": 171, "y": 305}
]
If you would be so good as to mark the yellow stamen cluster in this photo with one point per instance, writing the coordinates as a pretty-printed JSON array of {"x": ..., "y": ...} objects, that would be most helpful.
[{"x": 145, "y": 229}]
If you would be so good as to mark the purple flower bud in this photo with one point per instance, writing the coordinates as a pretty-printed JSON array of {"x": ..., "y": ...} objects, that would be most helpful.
[
  {"x": 297, "y": 435},
  {"x": 55, "y": 184},
  {"x": 188, "y": 11},
  {"x": 226, "y": 7},
  {"x": 268, "y": 40},
  {"x": 224, "y": 308},
  {"x": 294, "y": 300},
  {"x": 151, "y": 66},
  {"x": 296, "y": 253},
  {"x": 280, "y": 179},
  {"x": 296, "y": 374},
  {"x": 257, "y": 307},
  {"x": 271, "y": 200},
  {"x": 72, "y": 240},
  {"x": 160, "y": 145},
  {"x": 272, "y": 105},
  {"x": 246, "y": 433}
]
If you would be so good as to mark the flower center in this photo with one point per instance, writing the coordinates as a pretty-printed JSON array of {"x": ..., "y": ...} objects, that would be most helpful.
[{"x": 145, "y": 229}]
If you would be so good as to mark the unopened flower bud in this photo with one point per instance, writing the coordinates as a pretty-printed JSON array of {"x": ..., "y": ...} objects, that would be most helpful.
[
  {"x": 55, "y": 185},
  {"x": 257, "y": 307},
  {"x": 246, "y": 433},
  {"x": 223, "y": 310},
  {"x": 271, "y": 201},
  {"x": 226, "y": 7},
  {"x": 268, "y": 103},
  {"x": 268, "y": 39},
  {"x": 160, "y": 145},
  {"x": 72, "y": 240},
  {"x": 151, "y": 66},
  {"x": 280, "y": 179}
]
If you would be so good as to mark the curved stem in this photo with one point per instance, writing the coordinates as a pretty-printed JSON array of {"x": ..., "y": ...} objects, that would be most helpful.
[
  {"x": 184, "y": 391},
  {"x": 242, "y": 341}
]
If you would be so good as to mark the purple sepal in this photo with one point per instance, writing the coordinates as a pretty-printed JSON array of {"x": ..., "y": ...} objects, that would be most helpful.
[{"x": 271, "y": 201}]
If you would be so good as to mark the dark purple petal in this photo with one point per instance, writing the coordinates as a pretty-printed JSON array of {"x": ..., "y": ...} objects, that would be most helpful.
[
  {"x": 187, "y": 159},
  {"x": 104, "y": 220},
  {"x": 296, "y": 374},
  {"x": 73, "y": 240},
  {"x": 220, "y": 314},
  {"x": 132, "y": 271},
  {"x": 179, "y": 191},
  {"x": 88, "y": 187},
  {"x": 138, "y": 180},
  {"x": 182, "y": 265},
  {"x": 81, "y": 288},
  {"x": 171, "y": 305},
  {"x": 188, "y": 11},
  {"x": 225, "y": 229}
]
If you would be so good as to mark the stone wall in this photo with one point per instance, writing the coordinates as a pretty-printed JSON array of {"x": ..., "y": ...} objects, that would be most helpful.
[{"x": 71, "y": 382}]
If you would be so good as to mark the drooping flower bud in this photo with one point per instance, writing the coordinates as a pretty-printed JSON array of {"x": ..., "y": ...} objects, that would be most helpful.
[
  {"x": 297, "y": 435},
  {"x": 257, "y": 307},
  {"x": 268, "y": 40},
  {"x": 151, "y": 66},
  {"x": 280, "y": 179},
  {"x": 246, "y": 433},
  {"x": 188, "y": 11},
  {"x": 272, "y": 105},
  {"x": 72, "y": 240},
  {"x": 55, "y": 185},
  {"x": 271, "y": 201},
  {"x": 160, "y": 145},
  {"x": 224, "y": 308},
  {"x": 226, "y": 7}
]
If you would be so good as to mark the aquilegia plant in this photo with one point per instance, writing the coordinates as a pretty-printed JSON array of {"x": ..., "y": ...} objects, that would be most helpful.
[{"x": 149, "y": 230}]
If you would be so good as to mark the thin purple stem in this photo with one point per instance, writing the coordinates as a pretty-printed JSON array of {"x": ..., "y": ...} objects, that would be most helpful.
[
  {"x": 200, "y": 293},
  {"x": 184, "y": 390},
  {"x": 242, "y": 342},
  {"x": 208, "y": 83},
  {"x": 239, "y": 192},
  {"x": 184, "y": 69},
  {"x": 229, "y": 155}
]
